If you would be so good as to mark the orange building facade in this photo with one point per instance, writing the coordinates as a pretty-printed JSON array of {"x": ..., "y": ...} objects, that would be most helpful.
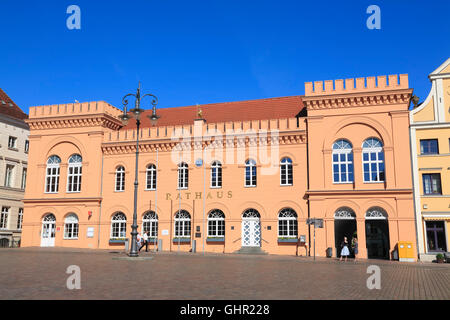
[{"x": 229, "y": 177}]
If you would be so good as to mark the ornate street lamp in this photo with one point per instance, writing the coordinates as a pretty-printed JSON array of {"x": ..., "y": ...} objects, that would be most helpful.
[{"x": 136, "y": 112}]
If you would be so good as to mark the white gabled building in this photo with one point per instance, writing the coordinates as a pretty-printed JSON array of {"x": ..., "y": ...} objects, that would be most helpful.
[{"x": 13, "y": 169}]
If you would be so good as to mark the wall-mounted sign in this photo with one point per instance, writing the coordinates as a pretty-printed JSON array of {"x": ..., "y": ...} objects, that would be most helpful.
[
  {"x": 90, "y": 232},
  {"x": 165, "y": 232},
  {"x": 302, "y": 238}
]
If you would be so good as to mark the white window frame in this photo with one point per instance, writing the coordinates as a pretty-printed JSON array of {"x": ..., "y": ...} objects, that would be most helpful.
[
  {"x": 373, "y": 150},
  {"x": 288, "y": 217},
  {"x": 150, "y": 177},
  {"x": 286, "y": 164},
  {"x": 119, "y": 179},
  {"x": 23, "y": 183},
  {"x": 71, "y": 227},
  {"x": 52, "y": 172},
  {"x": 150, "y": 223},
  {"x": 216, "y": 224},
  {"x": 182, "y": 220},
  {"x": 216, "y": 181},
  {"x": 9, "y": 176},
  {"x": 74, "y": 174},
  {"x": 20, "y": 219},
  {"x": 183, "y": 176},
  {"x": 27, "y": 146},
  {"x": 250, "y": 165},
  {"x": 119, "y": 224},
  {"x": 4, "y": 217},
  {"x": 12, "y": 145},
  {"x": 340, "y": 148}
]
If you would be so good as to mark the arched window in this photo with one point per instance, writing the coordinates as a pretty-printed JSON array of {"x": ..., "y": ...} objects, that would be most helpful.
[
  {"x": 182, "y": 224},
  {"x": 216, "y": 224},
  {"x": 119, "y": 226},
  {"x": 342, "y": 162},
  {"x": 251, "y": 213},
  {"x": 150, "y": 223},
  {"x": 151, "y": 177},
  {"x": 52, "y": 174},
  {"x": 286, "y": 172},
  {"x": 120, "y": 178},
  {"x": 250, "y": 173},
  {"x": 373, "y": 160},
  {"x": 183, "y": 175},
  {"x": 376, "y": 213},
  {"x": 216, "y": 175},
  {"x": 344, "y": 213},
  {"x": 74, "y": 174},
  {"x": 287, "y": 223},
  {"x": 71, "y": 226}
]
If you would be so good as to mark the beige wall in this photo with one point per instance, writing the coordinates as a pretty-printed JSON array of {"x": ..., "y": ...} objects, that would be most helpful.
[{"x": 11, "y": 197}]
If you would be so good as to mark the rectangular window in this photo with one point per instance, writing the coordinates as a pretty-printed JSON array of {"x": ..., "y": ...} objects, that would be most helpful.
[
  {"x": 24, "y": 179},
  {"x": 4, "y": 218},
  {"x": 432, "y": 183},
  {"x": 27, "y": 146},
  {"x": 436, "y": 236},
  {"x": 71, "y": 231},
  {"x": 74, "y": 178},
  {"x": 9, "y": 176},
  {"x": 20, "y": 219},
  {"x": 429, "y": 146},
  {"x": 12, "y": 142}
]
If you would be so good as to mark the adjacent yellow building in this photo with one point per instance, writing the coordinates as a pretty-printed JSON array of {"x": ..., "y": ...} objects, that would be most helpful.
[{"x": 430, "y": 145}]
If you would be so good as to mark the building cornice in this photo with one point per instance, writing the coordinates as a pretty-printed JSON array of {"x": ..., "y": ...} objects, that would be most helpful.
[
  {"x": 75, "y": 121},
  {"x": 191, "y": 143},
  {"x": 62, "y": 200},
  {"x": 364, "y": 99},
  {"x": 358, "y": 192}
]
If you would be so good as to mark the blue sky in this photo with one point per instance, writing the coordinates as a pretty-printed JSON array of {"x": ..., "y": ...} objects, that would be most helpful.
[{"x": 189, "y": 52}]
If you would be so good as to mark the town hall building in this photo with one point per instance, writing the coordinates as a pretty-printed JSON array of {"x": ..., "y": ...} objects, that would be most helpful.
[{"x": 228, "y": 177}]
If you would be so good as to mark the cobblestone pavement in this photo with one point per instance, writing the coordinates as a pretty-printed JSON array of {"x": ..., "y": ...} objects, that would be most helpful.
[{"x": 38, "y": 273}]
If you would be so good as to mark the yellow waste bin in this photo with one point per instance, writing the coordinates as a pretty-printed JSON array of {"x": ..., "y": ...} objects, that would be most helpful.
[{"x": 405, "y": 251}]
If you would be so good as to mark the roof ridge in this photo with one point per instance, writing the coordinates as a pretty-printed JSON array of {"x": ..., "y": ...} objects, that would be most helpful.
[{"x": 233, "y": 102}]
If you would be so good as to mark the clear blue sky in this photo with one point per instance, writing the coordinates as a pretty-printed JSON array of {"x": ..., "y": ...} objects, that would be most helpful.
[{"x": 189, "y": 52}]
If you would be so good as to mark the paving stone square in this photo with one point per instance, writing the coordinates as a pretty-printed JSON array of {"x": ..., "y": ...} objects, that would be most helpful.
[{"x": 38, "y": 273}]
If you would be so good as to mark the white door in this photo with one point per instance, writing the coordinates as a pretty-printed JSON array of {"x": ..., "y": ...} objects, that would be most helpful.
[
  {"x": 251, "y": 232},
  {"x": 48, "y": 234}
]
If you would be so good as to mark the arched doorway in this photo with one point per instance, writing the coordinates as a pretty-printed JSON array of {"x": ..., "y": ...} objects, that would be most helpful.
[
  {"x": 251, "y": 228},
  {"x": 344, "y": 226},
  {"x": 377, "y": 233},
  {"x": 48, "y": 231}
]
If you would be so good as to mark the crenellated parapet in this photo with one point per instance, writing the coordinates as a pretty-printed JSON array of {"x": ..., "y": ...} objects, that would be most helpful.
[
  {"x": 97, "y": 113},
  {"x": 369, "y": 91},
  {"x": 215, "y": 135}
]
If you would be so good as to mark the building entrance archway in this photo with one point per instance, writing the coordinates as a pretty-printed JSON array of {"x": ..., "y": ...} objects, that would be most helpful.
[
  {"x": 344, "y": 226},
  {"x": 48, "y": 231},
  {"x": 251, "y": 228},
  {"x": 377, "y": 234}
]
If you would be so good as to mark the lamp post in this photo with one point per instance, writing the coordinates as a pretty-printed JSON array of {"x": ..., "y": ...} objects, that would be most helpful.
[{"x": 136, "y": 113}]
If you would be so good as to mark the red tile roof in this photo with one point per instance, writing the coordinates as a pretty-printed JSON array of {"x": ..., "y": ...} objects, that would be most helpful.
[
  {"x": 261, "y": 109},
  {"x": 10, "y": 108}
]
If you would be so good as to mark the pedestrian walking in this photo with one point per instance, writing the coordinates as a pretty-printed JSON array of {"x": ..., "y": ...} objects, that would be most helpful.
[
  {"x": 145, "y": 242},
  {"x": 344, "y": 252},
  {"x": 138, "y": 240},
  {"x": 355, "y": 247}
]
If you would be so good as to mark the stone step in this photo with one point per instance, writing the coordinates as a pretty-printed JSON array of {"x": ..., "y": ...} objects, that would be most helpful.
[{"x": 250, "y": 250}]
